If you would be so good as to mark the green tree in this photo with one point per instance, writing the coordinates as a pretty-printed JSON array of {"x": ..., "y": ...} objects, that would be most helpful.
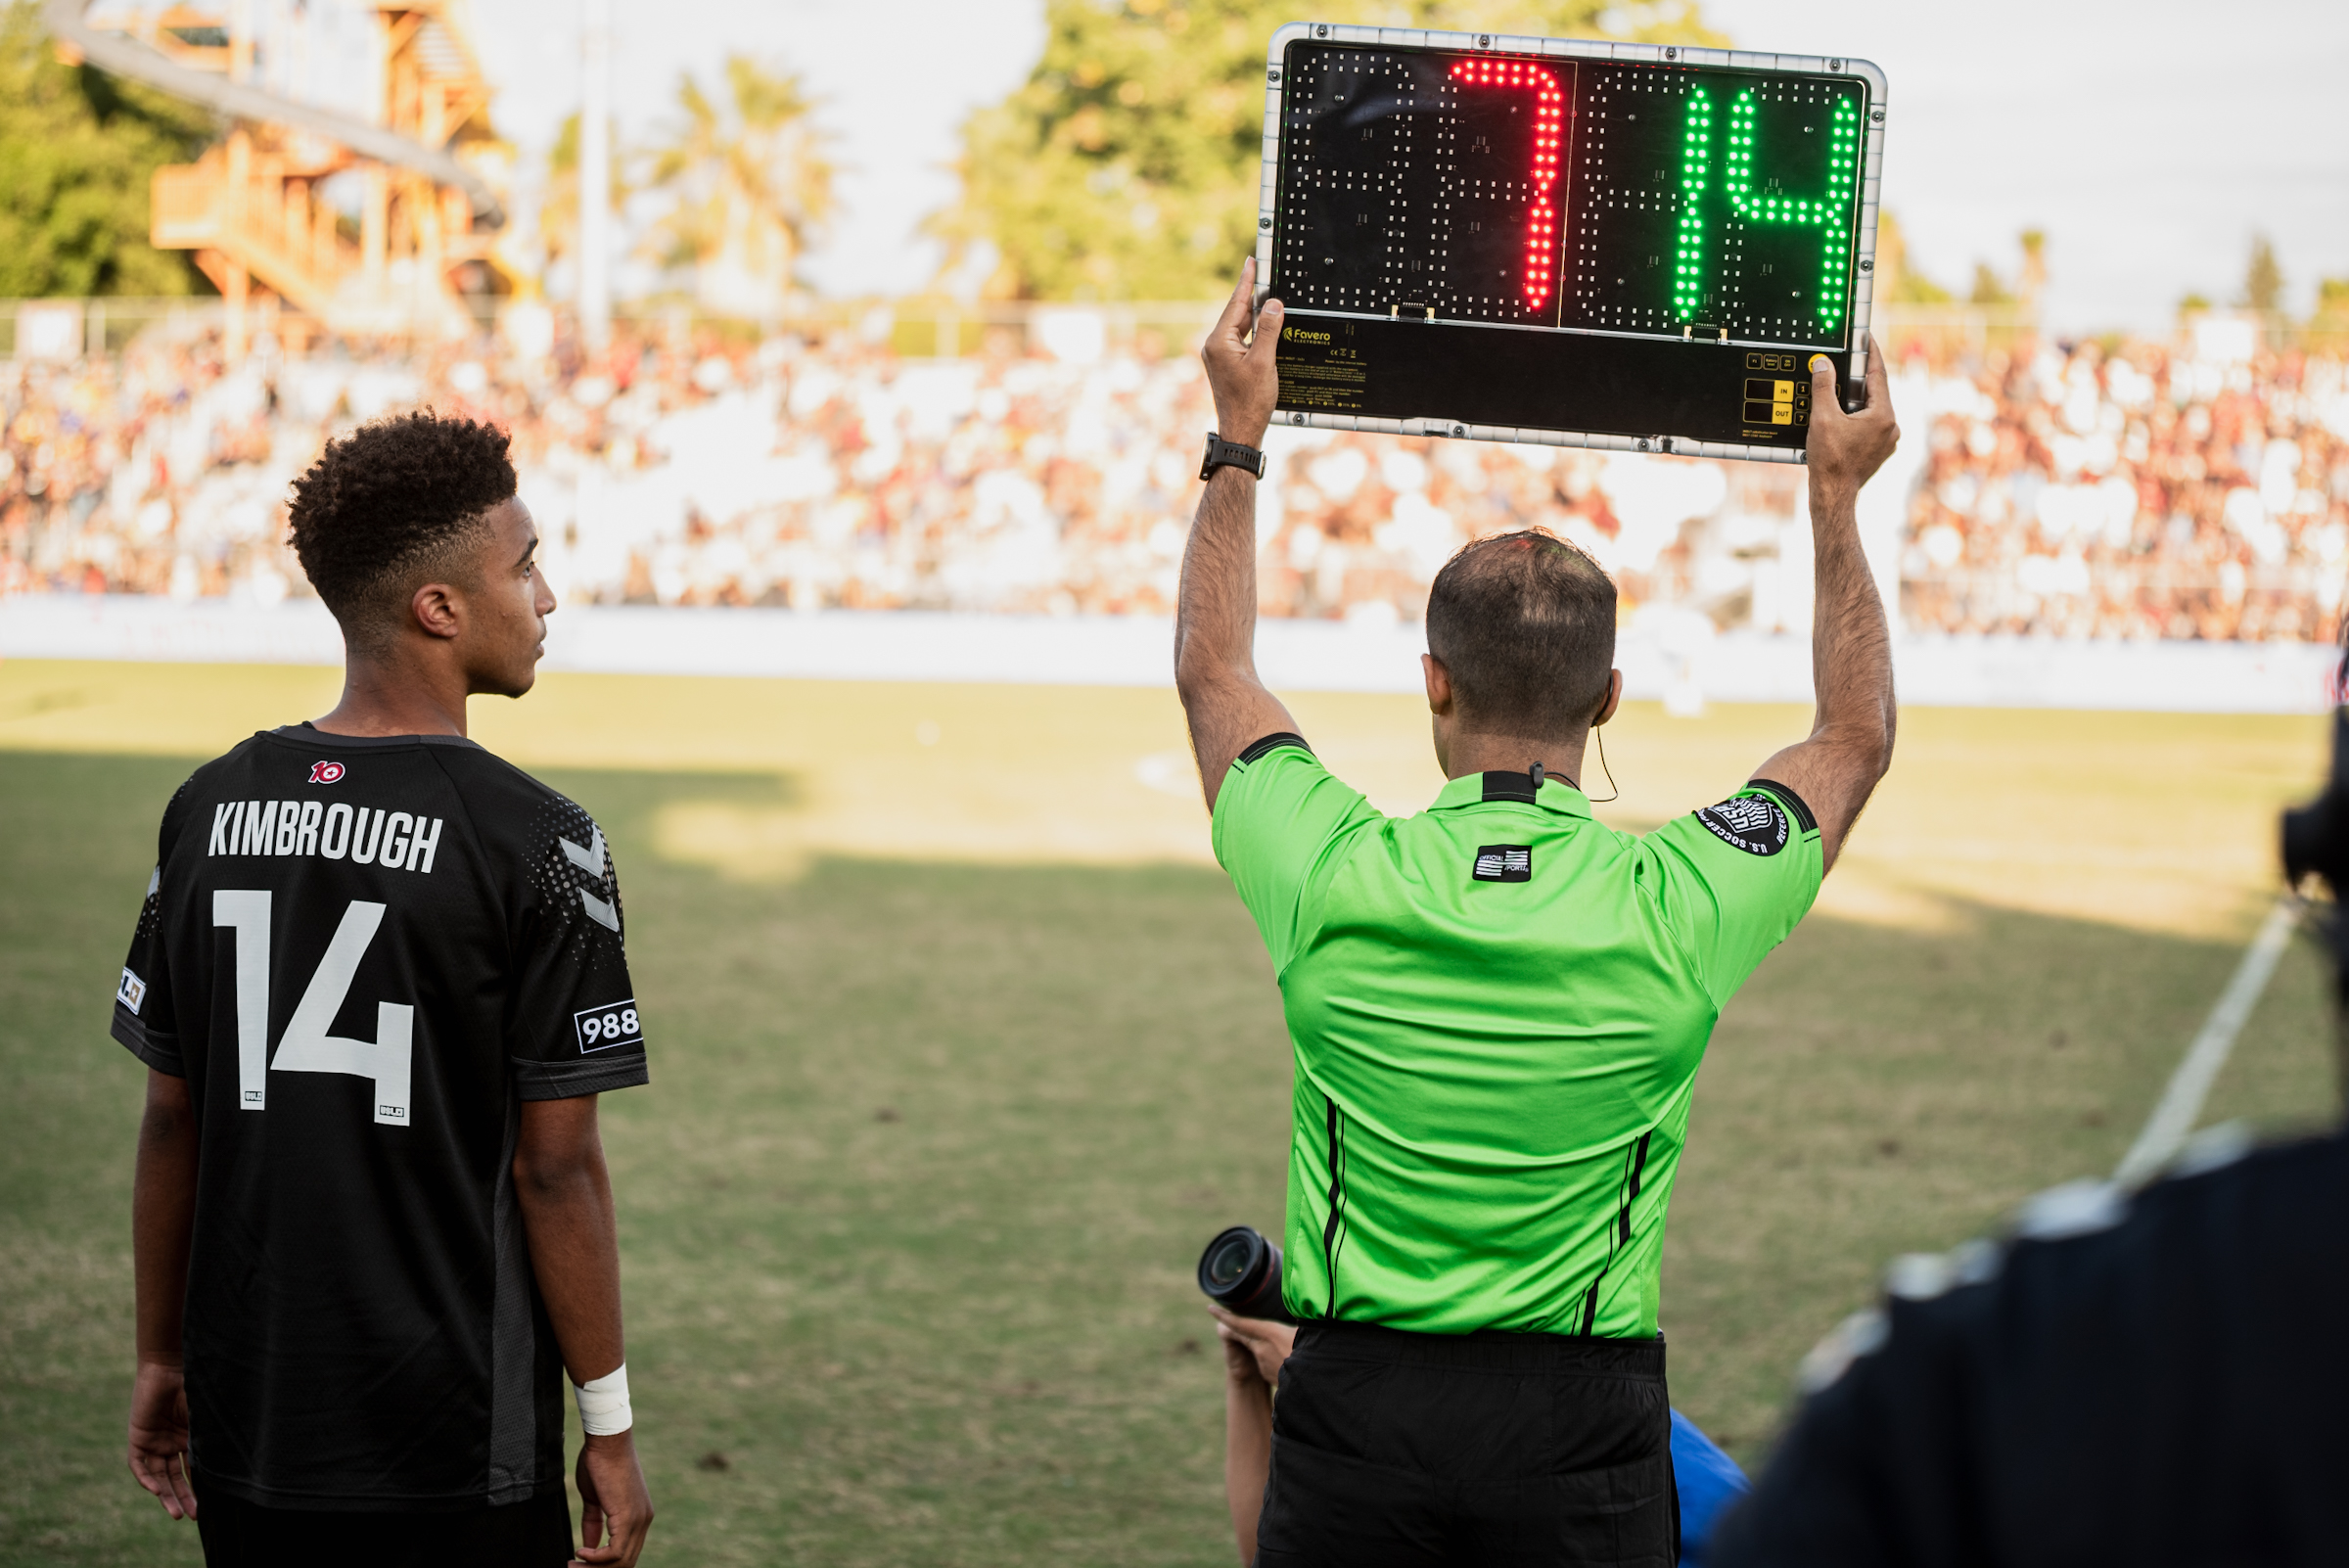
[
  {"x": 2263, "y": 278},
  {"x": 2332, "y": 317},
  {"x": 2032, "y": 282},
  {"x": 1125, "y": 166},
  {"x": 750, "y": 180},
  {"x": 559, "y": 208},
  {"x": 77, "y": 152},
  {"x": 1898, "y": 282},
  {"x": 1989, "y": 288}
]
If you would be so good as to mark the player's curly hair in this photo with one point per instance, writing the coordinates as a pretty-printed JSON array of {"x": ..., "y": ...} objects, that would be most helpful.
[
  {"x": 389, "y": 501},
  {"x": 1524, "y": 623}
]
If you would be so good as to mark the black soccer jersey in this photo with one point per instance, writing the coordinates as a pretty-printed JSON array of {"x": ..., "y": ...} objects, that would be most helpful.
[{"x": 363, "y": 955}]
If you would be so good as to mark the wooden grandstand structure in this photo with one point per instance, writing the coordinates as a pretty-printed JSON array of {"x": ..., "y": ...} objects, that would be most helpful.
[{"x": 422, "y": 254}]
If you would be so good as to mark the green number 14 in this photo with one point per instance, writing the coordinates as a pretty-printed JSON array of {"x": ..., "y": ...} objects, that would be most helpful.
[{"x": 1828, "y": 211}]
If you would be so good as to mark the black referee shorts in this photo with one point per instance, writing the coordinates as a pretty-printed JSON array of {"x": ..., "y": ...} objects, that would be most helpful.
[
  {"x": 521, "y": 1535},
  {"x": 1393, "y": 1449}
]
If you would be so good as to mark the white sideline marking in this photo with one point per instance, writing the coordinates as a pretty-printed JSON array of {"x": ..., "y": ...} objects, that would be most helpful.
[{"x": 2182, "y": 1102}]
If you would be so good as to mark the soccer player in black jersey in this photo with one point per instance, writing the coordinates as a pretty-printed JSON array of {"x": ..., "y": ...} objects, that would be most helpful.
[{"x": 378, "y": 984}]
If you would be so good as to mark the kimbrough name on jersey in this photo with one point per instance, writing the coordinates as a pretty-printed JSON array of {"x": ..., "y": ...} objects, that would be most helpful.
[{"x": 392, "y": 840}]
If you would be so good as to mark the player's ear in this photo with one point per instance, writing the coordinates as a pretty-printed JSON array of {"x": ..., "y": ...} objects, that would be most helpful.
[
  {"x": 1606, "y": 709},
  {"x": 1439, "y": 685},
  {"x": 434, "y": 607}
]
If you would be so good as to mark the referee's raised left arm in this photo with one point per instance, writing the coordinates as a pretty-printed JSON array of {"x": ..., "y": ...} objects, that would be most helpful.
[{"x": 1214, "y": 619}]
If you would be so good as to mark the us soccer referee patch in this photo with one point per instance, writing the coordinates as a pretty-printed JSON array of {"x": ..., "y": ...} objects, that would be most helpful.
[{"x": 1754, "y": 823}]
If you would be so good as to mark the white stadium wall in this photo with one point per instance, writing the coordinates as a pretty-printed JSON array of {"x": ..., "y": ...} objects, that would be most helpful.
[{"x": 1675, "y": 656}]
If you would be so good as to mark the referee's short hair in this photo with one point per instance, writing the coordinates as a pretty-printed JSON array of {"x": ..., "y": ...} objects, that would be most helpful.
[
  {"x": 385, "y": 510},
  {"x": 1524, "y": 623}
]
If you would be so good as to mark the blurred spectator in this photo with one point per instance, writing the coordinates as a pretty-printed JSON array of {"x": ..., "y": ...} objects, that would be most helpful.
[
  {"x": 2120, "y": 490},
  {"x": 2129, "y": 493}
]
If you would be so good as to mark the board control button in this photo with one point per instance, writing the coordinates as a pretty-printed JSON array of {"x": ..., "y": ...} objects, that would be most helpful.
[{"x": 1775, "y": 399}]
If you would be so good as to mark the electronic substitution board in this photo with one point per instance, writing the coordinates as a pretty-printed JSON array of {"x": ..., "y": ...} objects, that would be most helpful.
[{"x": 1633, "y": 246}]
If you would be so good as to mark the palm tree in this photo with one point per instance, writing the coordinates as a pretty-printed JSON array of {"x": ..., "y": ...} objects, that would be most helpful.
[
  {"x": 559, "y": 208},
  {"x": 751, "y": 182}
]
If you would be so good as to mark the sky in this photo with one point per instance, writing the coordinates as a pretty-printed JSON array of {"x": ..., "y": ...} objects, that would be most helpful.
[
  {"x": 2149, "y": 139},
  {"x": 898, "y": 77}
]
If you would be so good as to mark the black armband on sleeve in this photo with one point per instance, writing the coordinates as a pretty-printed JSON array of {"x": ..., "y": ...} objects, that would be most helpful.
[
  {"x": 1256, "y": 749},
  {"x": 1794, "y": 803}
]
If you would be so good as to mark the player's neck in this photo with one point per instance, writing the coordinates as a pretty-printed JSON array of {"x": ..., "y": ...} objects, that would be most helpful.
[
  {"x": 396, "y": 697},
  {"x": 1560, "y": 756}
]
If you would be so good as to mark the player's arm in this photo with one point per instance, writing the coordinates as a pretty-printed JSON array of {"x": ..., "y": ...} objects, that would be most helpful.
[
  {"x": 566, "y": 1197},
  {"x": 162, "y": 1222},
  {"x": 1214, "y": 619},
  {"x": 1850, "y": 746}
]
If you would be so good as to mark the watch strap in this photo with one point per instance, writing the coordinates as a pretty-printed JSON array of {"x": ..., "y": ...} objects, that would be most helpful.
[{"x": 1222, "y": 453}]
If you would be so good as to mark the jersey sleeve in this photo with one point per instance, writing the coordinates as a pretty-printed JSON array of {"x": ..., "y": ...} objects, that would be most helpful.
[
  {"x": 143, "y": 1021},
  {"x": 1737, "y": 877},
  {"x": 575, "y": 1026},
  {"x": 1277, "y": 817}
]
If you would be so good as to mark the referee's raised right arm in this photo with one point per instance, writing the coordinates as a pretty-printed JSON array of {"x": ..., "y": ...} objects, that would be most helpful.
[
  {"x": 1227, "y": 706},
  {"x": 1850, "y": 746}
]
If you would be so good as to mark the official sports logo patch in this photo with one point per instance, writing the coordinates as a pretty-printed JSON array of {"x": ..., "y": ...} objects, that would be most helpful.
[
  {"x": 601, "y": 1028},
  {"x": 1505, "y": 862},
  {"x": 132, "y": 992},
  {"x": 325, "y": 772},
  {"x": 1754, "y": 823}
]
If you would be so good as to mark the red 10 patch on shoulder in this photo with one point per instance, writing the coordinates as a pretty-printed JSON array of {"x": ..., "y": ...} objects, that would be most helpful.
[{"x": 325, "y": 772}]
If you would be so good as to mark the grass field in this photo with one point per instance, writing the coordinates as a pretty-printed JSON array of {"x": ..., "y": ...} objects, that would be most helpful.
[{"x": 962, "y": 1048}]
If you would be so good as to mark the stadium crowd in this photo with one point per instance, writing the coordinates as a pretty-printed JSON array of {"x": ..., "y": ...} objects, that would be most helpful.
[
  {"x": 2133, "y": 493},
  {"x": 2132, "y": 490}
]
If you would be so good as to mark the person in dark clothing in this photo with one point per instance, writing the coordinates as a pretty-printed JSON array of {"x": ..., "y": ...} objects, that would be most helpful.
[
  {"x": 2146, "y": 1380},
  {"x": 377, "y": 984},
  {"x": 2151, "y": 1377}
]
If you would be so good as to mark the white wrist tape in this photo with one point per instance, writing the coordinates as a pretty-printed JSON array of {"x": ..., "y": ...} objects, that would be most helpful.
[{"x": 604, "y": 1403}]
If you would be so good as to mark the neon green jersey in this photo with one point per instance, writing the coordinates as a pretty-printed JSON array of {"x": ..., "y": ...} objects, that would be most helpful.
[{"x": 1498, "y": 1008}]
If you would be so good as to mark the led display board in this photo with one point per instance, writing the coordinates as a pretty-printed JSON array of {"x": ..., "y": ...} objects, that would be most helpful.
[{"x": 1577, "y": 244}]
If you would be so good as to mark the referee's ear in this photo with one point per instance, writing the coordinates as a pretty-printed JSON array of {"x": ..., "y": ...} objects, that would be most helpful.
[
  {"x": 1606, "y": 709},
  {"x": 1438, "y": 686}
]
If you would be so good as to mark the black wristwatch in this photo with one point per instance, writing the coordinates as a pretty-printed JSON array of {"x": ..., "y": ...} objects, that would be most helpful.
[{"x": 1222, "y": 453}]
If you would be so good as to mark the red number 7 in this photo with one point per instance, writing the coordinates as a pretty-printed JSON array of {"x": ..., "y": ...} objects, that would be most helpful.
[{"x": 1549, "y": 128}]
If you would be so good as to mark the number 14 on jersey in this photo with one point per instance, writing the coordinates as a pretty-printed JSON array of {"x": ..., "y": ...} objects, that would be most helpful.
[{"x": 306, "y": 1047}]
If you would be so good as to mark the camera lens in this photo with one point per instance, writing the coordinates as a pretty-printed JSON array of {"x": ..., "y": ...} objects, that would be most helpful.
[
  {"x": 1240, "y": 1272},
  {"x": 1227, "y": 1260}
]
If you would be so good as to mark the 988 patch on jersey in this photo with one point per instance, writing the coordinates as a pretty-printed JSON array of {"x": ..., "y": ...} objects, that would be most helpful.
[{"x": 600, "y": 1029}]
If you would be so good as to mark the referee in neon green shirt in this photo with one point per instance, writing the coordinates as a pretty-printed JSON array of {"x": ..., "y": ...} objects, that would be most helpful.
[{"x": 1498, "y": 1008}]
